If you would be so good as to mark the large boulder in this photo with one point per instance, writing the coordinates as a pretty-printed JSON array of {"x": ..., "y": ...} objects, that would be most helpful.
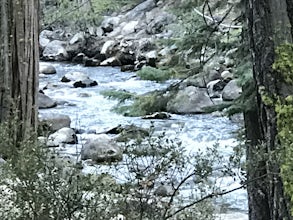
[
  {"x": 56, "y": 50},
  {"x": 79, "y": 79},
  {"x": 101, "y": 148},
  {"x": 62, "y": 136},
  {"x": 76, "y": 45},
  {"x": 74, "y": 76},
  {"x": 190, "y": 100},
  {"x": 231, "y": 91},
  {"x": 53, "y": 121},
  {"x": 109, "y": 23},
  {"x": 45, "y": 101},
  {"x": 108, "y": 47}
]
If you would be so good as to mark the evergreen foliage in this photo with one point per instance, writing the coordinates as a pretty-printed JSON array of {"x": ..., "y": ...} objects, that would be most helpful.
[{"x": 283, "y": 66}]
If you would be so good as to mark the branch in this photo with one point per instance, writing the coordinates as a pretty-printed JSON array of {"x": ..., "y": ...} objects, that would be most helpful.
[
  {"x": 67, "y": 13},
  {"x": 175, "y": 192},
  {"x": 213, "y": 20},
  {"x": 212, "y": 195}
]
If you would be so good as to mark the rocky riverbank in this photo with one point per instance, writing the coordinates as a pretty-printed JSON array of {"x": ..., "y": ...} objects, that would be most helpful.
[{"x": 130, "y": 40}]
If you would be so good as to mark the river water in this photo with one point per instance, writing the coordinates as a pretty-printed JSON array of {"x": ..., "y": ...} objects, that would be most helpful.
[{"x": 92, "y": 112}]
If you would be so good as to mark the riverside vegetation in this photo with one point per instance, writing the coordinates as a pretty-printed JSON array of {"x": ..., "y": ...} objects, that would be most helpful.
[
  {"x": 204, "y": 54},
  {"x": 37, "y": 183}
]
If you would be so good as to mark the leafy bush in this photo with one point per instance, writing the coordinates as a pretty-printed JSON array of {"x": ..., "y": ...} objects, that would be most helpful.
[{"x": 37, "y": 183}]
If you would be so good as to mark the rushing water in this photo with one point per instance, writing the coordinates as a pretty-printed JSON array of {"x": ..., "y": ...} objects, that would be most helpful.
[{"x": 93, "y": 112}]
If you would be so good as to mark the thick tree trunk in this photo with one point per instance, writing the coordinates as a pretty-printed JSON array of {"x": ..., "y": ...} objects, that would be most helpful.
[
  {"x": 269, "y": 27},
  {"x": 19, "y": 62}
]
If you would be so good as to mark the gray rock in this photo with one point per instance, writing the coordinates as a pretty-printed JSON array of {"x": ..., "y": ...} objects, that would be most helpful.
[
  {"x": 226, "y": 74},
  {"x": 129, "y": 28},
  {"x": 101, "y": 148},
  {"x": 43, "y": 42},
  {"x": 213, "y": 93},
  {"x": 112, "y": 61},
  {"x": 79, "y": 58},
  {"x": 190, "y": 100},
  {"x": 78, "y": 37},
  {"x": 151, "y": 58},
  {"x": 47, "y": 69},
  {"x": 196, "y": 81},
  {"x": 56, "y": 50},
  {"x": 91, "y": 62},
  {"x": 231, "y": 91},
  {"x": 108, "y": 46},
  {"x": 79, "y": 79},
  {"x": 54, "y": 122},
  {"x": 45, "y": 101},
  {"x": 139, "y": 10},
  {"x": 62, "y": 136},
  {"x": 85, "y": 83},
  {"x": 74, "y": 76}
]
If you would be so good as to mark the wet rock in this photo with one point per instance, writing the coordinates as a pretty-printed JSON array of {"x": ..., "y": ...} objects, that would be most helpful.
[
  {"x": 79, "y": 79},
  {"x": 47, "y": 69},
  {"x": 125, "y": 68},
  {"x": 74, "y": 76},
  {"x": 85, "y": 83},
  {"x": 79, "y": 58},
  {"x": 157, "y": 115},
  {"x": 62, "y": 136},
  {"x": 101, "y": 148},
  {"x": 108, "y": 46},
  {"x": 53, "y": 121},
  {"x": 190, "y": 100},
  {"x": 45, "y": 101},
  {"x": 91, "y": 62},
  {"x": 126, "y": 58}
]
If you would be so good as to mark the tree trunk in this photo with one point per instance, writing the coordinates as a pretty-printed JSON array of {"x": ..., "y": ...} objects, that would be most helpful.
[
  {"x": 269, "y": 26},
  {"x": 19, "y": 63}
]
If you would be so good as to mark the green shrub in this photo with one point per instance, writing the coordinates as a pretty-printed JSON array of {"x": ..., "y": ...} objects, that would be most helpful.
[
  {"x": 153, "y": 74},
  {"x": 37, "y": 183}
]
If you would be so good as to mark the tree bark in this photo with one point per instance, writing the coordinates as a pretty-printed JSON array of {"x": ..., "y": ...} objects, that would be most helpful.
[
  {"x": 269, "y": 26},
  {"x": 19, "y": 63}
]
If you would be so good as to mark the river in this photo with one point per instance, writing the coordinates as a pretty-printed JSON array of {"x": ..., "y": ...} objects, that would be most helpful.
[{"x": 92, "y": 112}]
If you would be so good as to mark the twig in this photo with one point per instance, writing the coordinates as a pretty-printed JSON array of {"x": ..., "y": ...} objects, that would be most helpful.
[
  {"x": 212, "y": 195},
  {"x": 211, "y": 19}
]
